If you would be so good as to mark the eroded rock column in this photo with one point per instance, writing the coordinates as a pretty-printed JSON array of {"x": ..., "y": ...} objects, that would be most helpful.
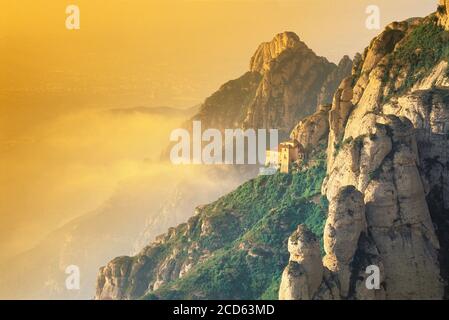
[
  {"x": 304, "y": 273},
  {"x": 345, "y": 223}
]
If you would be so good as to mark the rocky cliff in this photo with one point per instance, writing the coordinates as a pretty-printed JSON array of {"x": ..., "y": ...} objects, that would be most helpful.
[
  {"x": 443, "y": 14},
  {"x": 383, "y": 171},
  {"x": 285, "y": 82},
  {"x": 293, "y": 83},
  {"x": 230, "y": 249},
  {"x": 387, "y": 173}
]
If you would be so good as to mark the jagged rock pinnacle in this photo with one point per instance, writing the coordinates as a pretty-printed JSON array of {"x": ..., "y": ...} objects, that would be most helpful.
[{"x": 268, "y": 51}]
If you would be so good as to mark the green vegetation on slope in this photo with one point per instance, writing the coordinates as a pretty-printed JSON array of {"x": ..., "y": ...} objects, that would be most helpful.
[
  {"x": 417, "y": 54},
  {"x": 251, "y": 227}
]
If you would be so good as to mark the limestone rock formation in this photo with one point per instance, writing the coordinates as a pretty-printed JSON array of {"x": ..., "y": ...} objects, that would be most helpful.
[
  {"x": 338, "y": 116},
  {"x": 312, "y": 129},
  {"x": 304, "y": 273},
  {"x": 113, "y": 278},
  {"x": 227, "y": 107},
  {"x": 293, "y": 84},
  {"x": 344, "y": 225},
  {"x": 387, "y": 180},
  {"x": 285, "y": 83},
  {"x": 349, "y": 251},
  {"x": 333, "y": 80},
  {"x": 384, "y": 166},
  {"x": 387, "y": 171},
  {"x": 269, "y": 51},
  {"x": 229, "y": 249},
  {"x": 429, "y": 112},
  {"x": 129, "y": 277}
]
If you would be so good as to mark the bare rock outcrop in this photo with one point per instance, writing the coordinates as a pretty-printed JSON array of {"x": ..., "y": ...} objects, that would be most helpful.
[
  {"x": 349, "y": 251},
  {"x": 312, "y": 129},
  {"x": 285, "y": 82},
  {"x": 443, "y": 13},
  {"x": 378, "y": 214},
  {"x": 383, "y": 165},
  {"x": 333, "y": 80},
  {"x": 381, "y": 73},
  {"x": 304, "y": 273},
  {"x": 344, "y": 225},
  {"x": 295, "y": 80},
  {"x": 388, "y": 152},
  {"x": 268, "y": 51},
  {"x": 338, "y": 116}
]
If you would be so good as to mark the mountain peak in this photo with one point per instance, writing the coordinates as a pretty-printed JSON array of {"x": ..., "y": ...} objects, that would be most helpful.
[{"x": 268, "y": 51}]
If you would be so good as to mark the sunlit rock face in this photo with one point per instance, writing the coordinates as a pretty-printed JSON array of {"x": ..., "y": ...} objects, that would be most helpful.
[
  {"x": 268, "y": 51},
  {"x": 295, "y": 80},
  {"x": 387, "y": 176},
  {"x": 304, "y": 273},
  {"x": 387, "y": 171}
]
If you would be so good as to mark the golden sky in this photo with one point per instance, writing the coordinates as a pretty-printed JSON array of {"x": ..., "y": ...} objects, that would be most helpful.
[
  {"x": 127, "y": 54},
  {"x": 170, "y": 52}
]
